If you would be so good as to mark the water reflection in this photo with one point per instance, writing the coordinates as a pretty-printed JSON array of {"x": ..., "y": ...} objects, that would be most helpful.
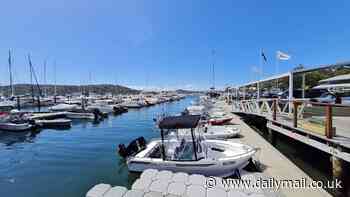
[{"x": 10, "y": 138}]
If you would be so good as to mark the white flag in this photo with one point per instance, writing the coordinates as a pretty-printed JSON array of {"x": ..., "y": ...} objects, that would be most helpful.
[{"x": 282, "y": 56}]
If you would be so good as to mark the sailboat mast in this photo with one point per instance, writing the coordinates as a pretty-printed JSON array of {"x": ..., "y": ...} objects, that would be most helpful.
[
  {"x": 10, "y": 71},
  {"x": 213, "y": 68},
  {"x": 31, "y": 77},
  {"x": 55, "y": 81},
  {"x": 45, "y": 88}
]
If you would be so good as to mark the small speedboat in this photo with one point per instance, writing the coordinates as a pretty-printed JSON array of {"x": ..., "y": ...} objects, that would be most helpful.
[
  {"x": 61, "y": 122},
  {"x": 212, "y": 132},
  {"x": 101, "y": 107},
  {"x": 187, "y": 153},
  {"x": 78, "y": 115},
  {"x": 15, "y": 127},
  {"x": 64, "y": 107},
  {"x": 219, "y": 121},
  {"x": 195, "y": 110}
]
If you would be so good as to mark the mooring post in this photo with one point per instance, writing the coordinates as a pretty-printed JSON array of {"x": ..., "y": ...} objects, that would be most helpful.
[
  {"x": 295, "y": 114},
  {"x": 328, "y": 122},
  {"x": 340, "y": 170},
  {"x": 274, "y": 114}
]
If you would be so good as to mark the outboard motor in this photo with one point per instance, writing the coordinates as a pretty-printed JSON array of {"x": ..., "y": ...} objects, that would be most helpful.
[
  {"x": 97, "y": 114},
  {"x": 133, "y": 148},
  {"x": 122, "y": 150}
]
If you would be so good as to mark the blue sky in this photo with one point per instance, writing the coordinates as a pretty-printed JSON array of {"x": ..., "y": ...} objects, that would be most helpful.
[{"x": 168, "y": 44}]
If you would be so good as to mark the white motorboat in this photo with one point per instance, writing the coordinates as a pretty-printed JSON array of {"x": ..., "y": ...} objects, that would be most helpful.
[
  {"x": 132, "y": 105},
  {"x": 78, "y": 115},
  {"x": 64, "y": 107},
  {"x": 221, "y": 132},
  {"x": 195, "y": 110},
  {"x": 212, "y": 132},
  {"x": 189, "y": 153},
  {"x": 60, "y": 122},
  {"x": 101, "y": 107},
  {"x": 14, "y": 127}
]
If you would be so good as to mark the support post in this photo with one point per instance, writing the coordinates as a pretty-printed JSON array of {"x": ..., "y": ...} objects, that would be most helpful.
[
  {"x": 162, "y": 147},
  {"x": 328, "y": 121},
  {"x": 194, "y": 145},
  {"x": 258, "y": 89},
  {"x": 340, "y": 170},
  {"x": 290, "y": 90},
  {"x": 303, "y": 85},
  {"x": 295, "y": 114},
  {"x": 274, "y": 114},
  {"x": 244, "y": 89}
]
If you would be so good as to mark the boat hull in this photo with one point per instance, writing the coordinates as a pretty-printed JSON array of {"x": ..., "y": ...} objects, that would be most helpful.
[
  {"x": 207, "y": 167},
  {"x": 15, "y": 127}
]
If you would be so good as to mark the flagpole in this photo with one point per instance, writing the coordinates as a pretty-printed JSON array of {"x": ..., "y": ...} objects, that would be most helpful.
[
  {"x": 261, "y": 73},
  {"x": 277, "y": 64}
]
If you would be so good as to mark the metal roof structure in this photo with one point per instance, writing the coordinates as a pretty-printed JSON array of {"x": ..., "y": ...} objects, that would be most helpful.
[{"x": 337, "y": 78}]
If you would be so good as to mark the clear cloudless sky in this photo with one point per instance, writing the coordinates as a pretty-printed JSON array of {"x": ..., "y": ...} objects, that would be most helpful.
[{"x": 168, "y": 44}]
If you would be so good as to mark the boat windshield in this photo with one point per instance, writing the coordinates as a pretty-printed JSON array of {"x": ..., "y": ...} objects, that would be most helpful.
[{"x": 182, "y": 148}]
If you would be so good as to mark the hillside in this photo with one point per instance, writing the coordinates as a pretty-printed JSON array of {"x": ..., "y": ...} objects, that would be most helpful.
[{"x": 22, "y": 89}]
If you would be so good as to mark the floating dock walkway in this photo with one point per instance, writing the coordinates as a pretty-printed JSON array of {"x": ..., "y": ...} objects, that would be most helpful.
[{"x": 153, "y": 183}]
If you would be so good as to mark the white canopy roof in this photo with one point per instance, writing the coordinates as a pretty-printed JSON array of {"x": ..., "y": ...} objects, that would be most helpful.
[{"x": 337, "y": 78}]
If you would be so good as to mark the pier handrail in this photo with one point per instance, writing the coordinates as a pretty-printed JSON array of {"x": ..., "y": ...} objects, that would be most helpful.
[{"x": 292, "y": 109}]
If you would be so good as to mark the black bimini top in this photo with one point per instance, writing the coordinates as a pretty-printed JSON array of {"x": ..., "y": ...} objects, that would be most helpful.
[{"x": 179, "y": 122}]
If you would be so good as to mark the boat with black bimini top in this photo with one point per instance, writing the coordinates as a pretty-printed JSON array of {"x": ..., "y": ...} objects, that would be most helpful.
[{"x": 187, "y": 153}]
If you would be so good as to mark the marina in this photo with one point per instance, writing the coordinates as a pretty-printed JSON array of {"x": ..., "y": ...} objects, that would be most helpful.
[
  {"x": 67, "y": 162},
  {"x": 174, "y": 98}
]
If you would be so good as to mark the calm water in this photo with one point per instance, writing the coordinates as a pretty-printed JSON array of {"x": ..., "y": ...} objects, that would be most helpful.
[{"x": 68, "y": 162}]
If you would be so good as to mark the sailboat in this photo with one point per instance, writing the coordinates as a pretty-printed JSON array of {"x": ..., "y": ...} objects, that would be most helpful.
[{"x": 9, "y": 103}]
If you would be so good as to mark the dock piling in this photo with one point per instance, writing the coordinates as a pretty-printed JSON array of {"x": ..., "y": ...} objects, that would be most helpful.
[{"x": 329, "y": 124}]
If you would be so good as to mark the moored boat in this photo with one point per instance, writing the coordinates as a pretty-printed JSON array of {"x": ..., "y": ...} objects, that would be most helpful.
[
  {"x": 78, "y": 115},
  {"x": 64, "y": 107},
  {"x": 61, "y": 122},
  {"x": 15, "y": 127},
  {"x": 189, "y": 153}
]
